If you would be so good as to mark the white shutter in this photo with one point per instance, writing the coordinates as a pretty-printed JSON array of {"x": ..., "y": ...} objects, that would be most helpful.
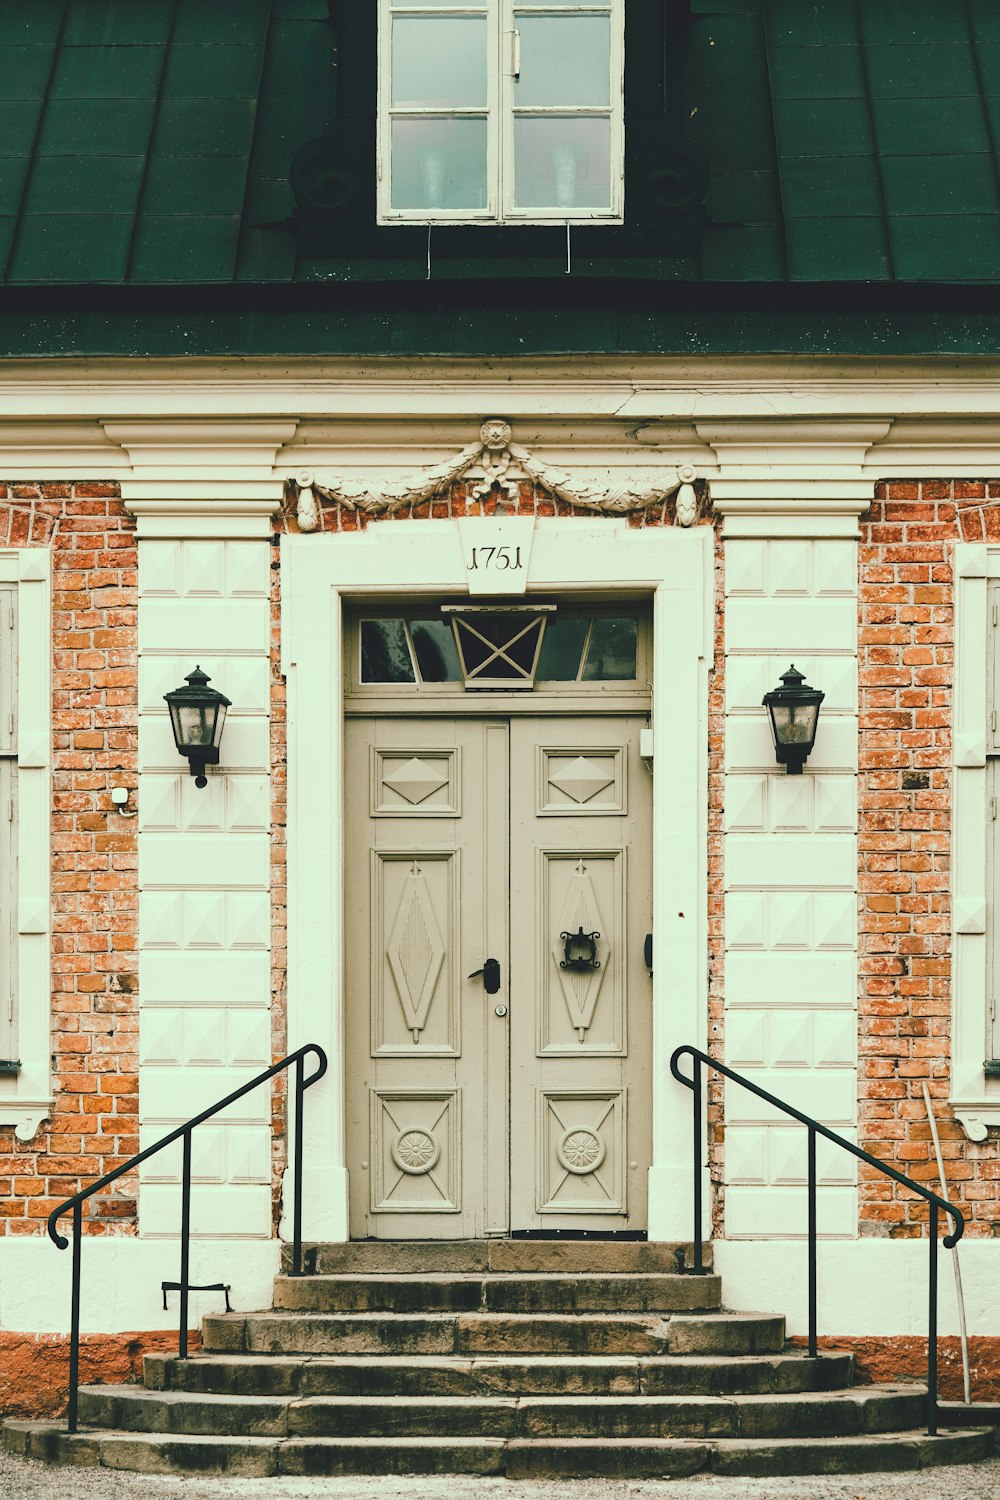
[{"x": 8, "y": 820}]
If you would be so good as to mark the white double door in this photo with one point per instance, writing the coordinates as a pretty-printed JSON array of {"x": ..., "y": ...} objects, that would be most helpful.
[{"x": 517, "y": 1098}]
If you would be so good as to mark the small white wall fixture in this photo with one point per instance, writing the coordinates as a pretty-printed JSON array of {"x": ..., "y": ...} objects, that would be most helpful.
[{"x": 413, "y": 558}]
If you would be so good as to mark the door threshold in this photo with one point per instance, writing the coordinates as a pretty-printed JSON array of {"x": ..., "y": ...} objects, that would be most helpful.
[{"x": 577, "y": 1234}]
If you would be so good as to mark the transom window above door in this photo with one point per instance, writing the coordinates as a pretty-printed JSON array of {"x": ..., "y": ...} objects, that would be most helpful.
[
  {"x": 461, "y": 648},
  {"x": 505, "y": 111}
]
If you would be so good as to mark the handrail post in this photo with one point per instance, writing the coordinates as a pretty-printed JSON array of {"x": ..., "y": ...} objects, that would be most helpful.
[
  {"x": 297, "y": 1171},
  {"x": 74, "y": 1318},
  {"x": 696, "y": 1111},
  {"x": 932, "y": 1310},
  {"x": 182, "y": 1337},
  {"x": 813, "y": 1316}
]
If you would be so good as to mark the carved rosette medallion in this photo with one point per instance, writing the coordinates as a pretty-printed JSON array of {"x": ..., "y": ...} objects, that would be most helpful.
[
  {"x": 499, "y": 461},
  {"x": 580, "y": 1151},
  {"x": 416, "y": 1152}
]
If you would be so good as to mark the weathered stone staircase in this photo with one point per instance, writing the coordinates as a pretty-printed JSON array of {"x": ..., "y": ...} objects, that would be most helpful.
[{"x": 521, "y": 1358}]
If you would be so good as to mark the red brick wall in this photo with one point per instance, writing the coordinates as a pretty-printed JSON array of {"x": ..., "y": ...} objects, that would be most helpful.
[
  {"x": 94, "y": 1124},
  {"x": 906, "y": 639}
]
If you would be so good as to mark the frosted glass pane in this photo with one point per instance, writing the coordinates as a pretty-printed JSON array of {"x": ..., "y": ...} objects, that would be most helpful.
[
  {"x": 562, "y": 163},
  {"x": 562, "y": 648},
  {"x": 385, "y": 655},
  {"x": 564, "y": 60},
  {"x": 439, "y": 164},
  {"x": 439, "y": 62},
  {"x": 611, "y": 653}
]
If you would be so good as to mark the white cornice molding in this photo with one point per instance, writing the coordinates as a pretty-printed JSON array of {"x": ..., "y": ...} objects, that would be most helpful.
[
  {"x": 201, "y": 478},
  {"x": 806, "y": 477}
]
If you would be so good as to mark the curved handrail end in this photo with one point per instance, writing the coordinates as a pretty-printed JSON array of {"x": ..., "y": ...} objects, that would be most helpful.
[
  {"x": 322, "y": 1062},
  {"x": 677, "y": 1054}
]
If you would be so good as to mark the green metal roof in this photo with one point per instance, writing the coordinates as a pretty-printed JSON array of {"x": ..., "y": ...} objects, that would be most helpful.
[{"x": 148, "y": 142}]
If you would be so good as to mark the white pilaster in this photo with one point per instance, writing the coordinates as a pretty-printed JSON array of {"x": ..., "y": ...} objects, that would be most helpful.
[
  {"x": 203, "y": 495},
  {"x": 791, "y": 496}
]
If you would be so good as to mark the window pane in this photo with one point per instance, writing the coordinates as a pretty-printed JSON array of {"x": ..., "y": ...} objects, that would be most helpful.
[
  {"x": 564, "y": 60},
  {"x": 439, "y": 62},
  {"x": 434, "y": 645},
  {"x": 439, "y": 163},
  {"x": 611, "y": 653},
  {"x": 562, "y": 648},
  {"x": 385, "y": 656},
  {"x": 561, "y": 163}
]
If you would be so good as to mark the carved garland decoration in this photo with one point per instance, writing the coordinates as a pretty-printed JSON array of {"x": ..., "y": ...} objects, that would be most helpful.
[{"x": 497, "y": 455}]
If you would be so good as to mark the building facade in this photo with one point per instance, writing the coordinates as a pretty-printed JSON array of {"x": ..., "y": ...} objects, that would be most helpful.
[{"x": 495, "y": 572}]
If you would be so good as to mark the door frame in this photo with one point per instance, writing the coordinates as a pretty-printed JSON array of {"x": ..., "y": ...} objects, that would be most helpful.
[{"x": 319, "y": 574}]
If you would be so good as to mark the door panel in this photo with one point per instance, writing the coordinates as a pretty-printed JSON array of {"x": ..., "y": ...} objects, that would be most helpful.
[
  {"x": 580, "y": 1016},
  {"x": 527, "y": 841},
  {"x": 426, "y": 1097}
]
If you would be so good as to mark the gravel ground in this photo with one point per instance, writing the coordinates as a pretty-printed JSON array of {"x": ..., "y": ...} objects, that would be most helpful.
[{"x": 21, "y": 1480}]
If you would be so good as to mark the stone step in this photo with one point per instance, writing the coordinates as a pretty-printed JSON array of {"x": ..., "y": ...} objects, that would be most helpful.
[
  {"x": 471, "y": 1257},
  {"x": 818, "y": 1414},
  {"x": 510, "y": 1293},
  {"x": 518, "y": 1458},
  {"x": 399, "y": 1375},
  {"x": 651, "y": 1459},
  {"x": 435, "y": 1333},
  {"x": 732, "y": 1334},
  {"x": 492, "y": 1333}
]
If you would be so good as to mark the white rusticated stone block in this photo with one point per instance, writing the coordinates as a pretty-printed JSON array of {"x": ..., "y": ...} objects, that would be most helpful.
[
  {"x": 239, "y": 977},
  {"x": 246, "y": 745},
  {"x": 187, "y": 860},
  {"x": 233, "y": 1211},
  {"x": 749, "y": 746},
  {"x": 792, "y": 625},
  {"x": 754, "y": 1212},
  {"x": 780, "y": 979},
  {"x": 197, "y": 627},
  {"x": 827, "y": 1094},
  {"x": 170, "y": 1095},
  {"x": 797, "y": 860},
  {"x": 243, "y": 679}
]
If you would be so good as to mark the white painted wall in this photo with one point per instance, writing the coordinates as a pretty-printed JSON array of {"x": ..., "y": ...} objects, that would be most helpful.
[
  {"x": 121, "y": 1282},
  {"x": 867, "y": 1287}
]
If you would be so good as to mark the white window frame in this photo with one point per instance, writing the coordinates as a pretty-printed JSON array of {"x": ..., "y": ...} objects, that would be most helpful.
[
  {"x": 26, "y": 1097},
  {"x": 500, "y": 113}
]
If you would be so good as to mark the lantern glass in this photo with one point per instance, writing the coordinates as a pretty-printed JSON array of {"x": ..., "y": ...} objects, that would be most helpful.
[
  {"x": 794, "y": 723},
  {"x": 196, "y": 723}
]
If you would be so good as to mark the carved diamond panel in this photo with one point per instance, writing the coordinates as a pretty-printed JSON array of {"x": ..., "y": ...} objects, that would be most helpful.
[
  {"x": 413, "y": 922},
  {"x": 582, "y": 1007},
  {"x": 415, "y": 1152},
  {"x": 415, "y": 783},
  {"x": 581, "y": 1139},
  {"x": 581, "y": 781}
]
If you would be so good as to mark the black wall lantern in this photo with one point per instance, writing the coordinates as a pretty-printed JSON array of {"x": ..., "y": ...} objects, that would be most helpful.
[
  {"x": 793, "y": 710},
  {"x": 197, "y": 714}
]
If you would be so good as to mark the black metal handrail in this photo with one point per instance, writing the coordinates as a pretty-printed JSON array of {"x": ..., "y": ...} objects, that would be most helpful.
[
  {"x": 183, "y": 1133},
  {"x": 702, "y": 1059}
]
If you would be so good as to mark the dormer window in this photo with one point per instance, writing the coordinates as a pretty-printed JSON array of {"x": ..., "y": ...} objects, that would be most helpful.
[{"x": 505, "y": 111}]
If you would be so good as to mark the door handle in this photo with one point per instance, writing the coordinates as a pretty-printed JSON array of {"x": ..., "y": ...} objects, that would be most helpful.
[
  {"x": 491, "y": 975},
  {"x": 647, "y": 952}
]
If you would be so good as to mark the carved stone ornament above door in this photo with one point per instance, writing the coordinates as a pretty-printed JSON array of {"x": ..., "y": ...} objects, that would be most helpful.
[{"x": 501, "y": 462}]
